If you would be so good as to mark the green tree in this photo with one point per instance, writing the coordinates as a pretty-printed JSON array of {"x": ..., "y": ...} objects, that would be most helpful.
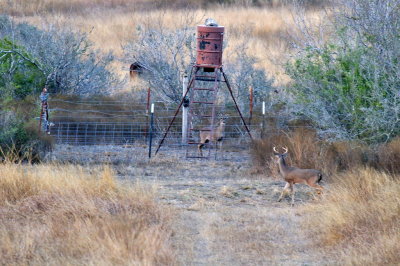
[
  {"x": 348, "y": 84},
  {"x": 19, "y": 75}
]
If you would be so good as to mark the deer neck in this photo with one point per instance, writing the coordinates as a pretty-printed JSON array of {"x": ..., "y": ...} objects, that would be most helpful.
[{"x": 283, "y": 168}]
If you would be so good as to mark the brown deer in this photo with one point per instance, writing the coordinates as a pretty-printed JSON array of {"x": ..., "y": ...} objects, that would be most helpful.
[
  {"x": 294, "y": 175},
  {"x": 216, "y": 135}
]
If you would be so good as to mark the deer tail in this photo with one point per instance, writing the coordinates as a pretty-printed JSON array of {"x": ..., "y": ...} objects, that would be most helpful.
[{"x": 319, "y": 177}]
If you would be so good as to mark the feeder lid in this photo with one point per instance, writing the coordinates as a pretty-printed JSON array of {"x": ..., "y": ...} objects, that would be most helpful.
[{"x": 211, "y": 23}]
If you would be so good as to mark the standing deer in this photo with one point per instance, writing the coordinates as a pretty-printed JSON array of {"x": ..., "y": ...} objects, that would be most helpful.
[
  {"x": 294, "y": 175},
  {"x": 216, "y": 135}
]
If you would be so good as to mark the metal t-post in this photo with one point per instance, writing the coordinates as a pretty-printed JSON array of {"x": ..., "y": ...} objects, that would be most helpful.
[
  {"x": 151, "y": 129},
  {"x": 263, "y": 120},
  {"x": 184, "y": 110}
]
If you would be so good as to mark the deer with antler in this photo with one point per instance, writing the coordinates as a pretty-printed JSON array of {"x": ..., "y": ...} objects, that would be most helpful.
[
  {"x": 216, "y": 134},
  {"x": 294, "y": 175}
]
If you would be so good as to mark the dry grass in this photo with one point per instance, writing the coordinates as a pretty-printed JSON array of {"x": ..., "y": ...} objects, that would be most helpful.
[
  {"x": 111, "y": 25},
  {"x": 388, "y": 156},
  {"x": 306, "y": 150},
  {"x": 67, "y": 215},
  {"x": 359, "y": 219}
]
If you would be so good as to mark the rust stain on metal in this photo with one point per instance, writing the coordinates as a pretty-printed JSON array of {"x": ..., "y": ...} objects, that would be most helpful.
[
  {"x": 202, "y": 45},
  {"x": 209, "y": 45}
]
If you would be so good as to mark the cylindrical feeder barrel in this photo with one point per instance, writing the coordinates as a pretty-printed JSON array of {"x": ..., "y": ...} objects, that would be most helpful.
[{"x": 209, "y": 46}]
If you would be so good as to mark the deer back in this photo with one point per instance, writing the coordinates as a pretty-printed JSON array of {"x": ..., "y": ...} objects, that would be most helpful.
[{"x": 298, "y": 175}]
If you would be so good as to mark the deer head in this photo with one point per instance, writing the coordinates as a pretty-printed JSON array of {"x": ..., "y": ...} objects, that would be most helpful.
[
  {"x": 278, "y": 155},
  {"x": 222, "y": 119}
]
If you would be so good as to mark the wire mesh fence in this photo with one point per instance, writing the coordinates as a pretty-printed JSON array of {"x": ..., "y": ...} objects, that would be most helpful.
[
  {"x": 123, "y": 133},
  {"x": 78, "y": 122}
]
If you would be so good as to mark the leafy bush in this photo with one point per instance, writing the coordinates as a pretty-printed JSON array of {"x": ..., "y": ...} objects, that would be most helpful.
[
  {"x": 19, "y": 77},
  {"x": 58, "y": 58},
  {"x": 20, "y": 140},
  {"x": 64, "y": 58},
  {"x": 348, "y": 86}
]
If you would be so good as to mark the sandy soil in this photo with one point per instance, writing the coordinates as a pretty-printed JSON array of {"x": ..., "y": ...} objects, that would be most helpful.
[{"x": 225, "y": 214}]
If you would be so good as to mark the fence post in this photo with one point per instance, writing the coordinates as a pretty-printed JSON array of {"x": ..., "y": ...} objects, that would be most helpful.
[
  {"x": 184, "y": 109},
  {"x": 263, "y": 120},
  {"x": 151, "y": 128},
  {"x": 147, "y": 111},
  {"x": 251, "y": 105}
]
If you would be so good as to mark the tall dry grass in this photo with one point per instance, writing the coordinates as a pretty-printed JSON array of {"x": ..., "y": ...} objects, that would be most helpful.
[
  {"x": 306, "y": 150},
  {"x": 358, "y": 220},
  {"x": 67, "y": 215},
  {"x": 261, "y": 28},
  {"x": 24, "y": 7}
]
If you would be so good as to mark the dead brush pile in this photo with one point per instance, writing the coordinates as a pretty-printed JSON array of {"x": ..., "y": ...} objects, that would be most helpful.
[
  {"x": 359, "y": 218},
  {"x": 66, "y": 215}
]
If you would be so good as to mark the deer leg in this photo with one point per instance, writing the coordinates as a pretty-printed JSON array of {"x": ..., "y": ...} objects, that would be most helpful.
[
  {"x": 283, "y": 191},
  {"x": 317, "y": 187},
  {"x": 292, "y": 192},
  {"x": 200, "y": 149}
]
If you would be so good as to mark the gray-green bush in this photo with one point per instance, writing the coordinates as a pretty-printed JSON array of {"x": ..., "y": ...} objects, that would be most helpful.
[
  {"x": 31, "y": 58},
  {"x": 348, "y": 84},
  {"x": 65, "y": 59},
  {"x": 167, "y": 54}
]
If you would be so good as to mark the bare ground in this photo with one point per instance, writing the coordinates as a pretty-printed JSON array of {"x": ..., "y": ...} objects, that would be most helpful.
[{"x": 226, "y": 215}]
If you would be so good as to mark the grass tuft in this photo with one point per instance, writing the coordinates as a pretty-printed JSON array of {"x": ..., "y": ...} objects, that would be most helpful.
[
  {"x": 359, "y": 219},
  {"x": 63, "y": 215},
  {"x": 306, "y": 150}
]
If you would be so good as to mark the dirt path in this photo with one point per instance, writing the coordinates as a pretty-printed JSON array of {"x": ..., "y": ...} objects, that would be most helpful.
[
  {"x": 225, "y": 215},
  {"x": 238, "y": 222}
]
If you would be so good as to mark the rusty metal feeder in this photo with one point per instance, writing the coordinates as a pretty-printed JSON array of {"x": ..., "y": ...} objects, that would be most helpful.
[{"x": 206, "y": 76}]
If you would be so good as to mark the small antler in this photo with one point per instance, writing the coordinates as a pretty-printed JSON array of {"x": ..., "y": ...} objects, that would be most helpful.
[
  {"x": 286, "y": 150},
  {"x": 275, "y": 150}
]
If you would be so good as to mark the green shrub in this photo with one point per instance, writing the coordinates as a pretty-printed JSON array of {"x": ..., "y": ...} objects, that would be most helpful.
[
  {"x": 348, "y": 84},
  {"x": 19, "y": 77},
  {"x": 20, "y": 139},
  {"x": 59, "y": 59}
]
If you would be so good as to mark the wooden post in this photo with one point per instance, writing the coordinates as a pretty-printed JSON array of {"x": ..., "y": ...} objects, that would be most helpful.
[
  {"x": 184, "y": 110},
  {"x": 151, "y": 128}
]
